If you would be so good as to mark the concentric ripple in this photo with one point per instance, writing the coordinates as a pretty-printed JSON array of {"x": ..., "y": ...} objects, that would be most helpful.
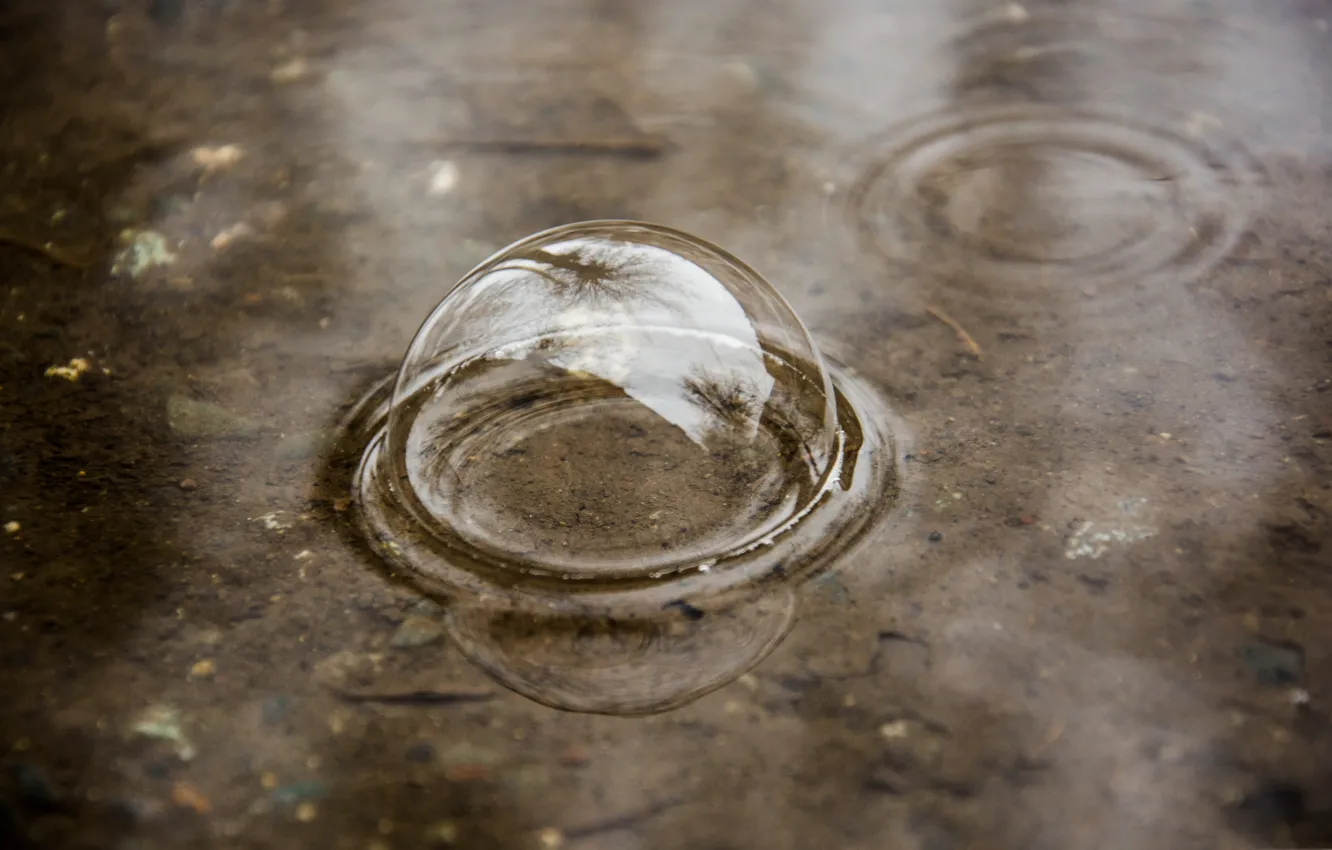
[{"x": 1013, "y": 200}]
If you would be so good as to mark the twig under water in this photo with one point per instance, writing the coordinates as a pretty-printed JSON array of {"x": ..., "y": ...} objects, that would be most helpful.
[
  {"x": 635, "y": 147},
  {"x": 450, "y": 696},
  {"x": 961, "y": 332},
  {"x": 621, "y": 821},
  {"x": 54, "y": 255}
]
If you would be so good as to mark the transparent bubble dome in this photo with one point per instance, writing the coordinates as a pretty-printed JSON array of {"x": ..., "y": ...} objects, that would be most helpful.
[{"x": 606, "y": 419}]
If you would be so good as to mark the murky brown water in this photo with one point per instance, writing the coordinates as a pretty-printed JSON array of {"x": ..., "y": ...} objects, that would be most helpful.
[{"x": 1079, "y": 247}]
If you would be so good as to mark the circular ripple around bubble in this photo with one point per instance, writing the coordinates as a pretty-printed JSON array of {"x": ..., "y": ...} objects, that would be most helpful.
[
  {"x": 608, "y": 665},
  {"x": 1011, "y": 201}
]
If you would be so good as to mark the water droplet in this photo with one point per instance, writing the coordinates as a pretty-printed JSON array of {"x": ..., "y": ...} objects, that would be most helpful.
[{"x": 595, "y": 419}]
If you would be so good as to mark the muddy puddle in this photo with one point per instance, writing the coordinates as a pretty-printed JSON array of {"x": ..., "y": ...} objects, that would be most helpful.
[{"x": 1037, "y": 292}]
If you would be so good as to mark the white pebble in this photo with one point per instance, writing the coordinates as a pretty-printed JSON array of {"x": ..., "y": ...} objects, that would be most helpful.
[
  {"x": 231, "y": 234},
  {"x": 443, "y": 177},
  {"x": 290, "y": 72},
  {"x": 217, "y": 159},
  {"x": 895, "y": 729}
]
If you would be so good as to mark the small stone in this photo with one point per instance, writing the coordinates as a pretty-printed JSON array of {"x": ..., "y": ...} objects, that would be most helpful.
[
  {"x": 273, "y": 521},
  {"x": 306, "y": 812},
  {"x": 71, "y": 372},
  {"x": 551, "y": 838},
  {"x": 935, "y": 536},
  {"x": 443, "y": 177},
  {"x": 444, "y": 833},
  {"x": 743, "y": 75},
  {"x": 189, "y": 484},
  {"x": 13, "y": 527},
  {"x": 216, "y": 159},
  {"x": 416, "y": 631},
  {"x": 290, "y": 72},
  {"x": 203, "y": 669},
  {"x": 163, "y": 722},
  {"x": 186, "y": 796},
  {"x": 236, "y": 231},
  {"x": 895, "y": 729}
]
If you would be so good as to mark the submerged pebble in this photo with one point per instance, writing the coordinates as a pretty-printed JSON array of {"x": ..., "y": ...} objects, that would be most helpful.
[
  {"x": 163, "y": 722},
  {"x": 416, "y": 631}
]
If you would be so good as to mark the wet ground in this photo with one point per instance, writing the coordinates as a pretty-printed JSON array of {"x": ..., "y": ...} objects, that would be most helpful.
[{"x": 1081, "y": 247}]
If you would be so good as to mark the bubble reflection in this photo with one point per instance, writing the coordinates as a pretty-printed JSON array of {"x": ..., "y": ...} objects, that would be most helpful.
[{"x": 615, "y": 451}]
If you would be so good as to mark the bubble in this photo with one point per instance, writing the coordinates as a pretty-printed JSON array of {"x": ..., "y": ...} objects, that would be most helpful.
[
  {"x": 1010, "y": 201},
  {"x": 614, "y": 450}
]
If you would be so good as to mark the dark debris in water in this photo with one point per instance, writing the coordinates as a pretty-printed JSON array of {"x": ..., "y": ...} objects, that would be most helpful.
[
  {"x": 689, "y": 612},
  {"x": 424, "y": 698},
  {"x": 34, "y": 786},
  {"x": 1273, "y": 662},
  {"x": 626, "y": 820},
  {"x": 1284, "y": 813}
]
